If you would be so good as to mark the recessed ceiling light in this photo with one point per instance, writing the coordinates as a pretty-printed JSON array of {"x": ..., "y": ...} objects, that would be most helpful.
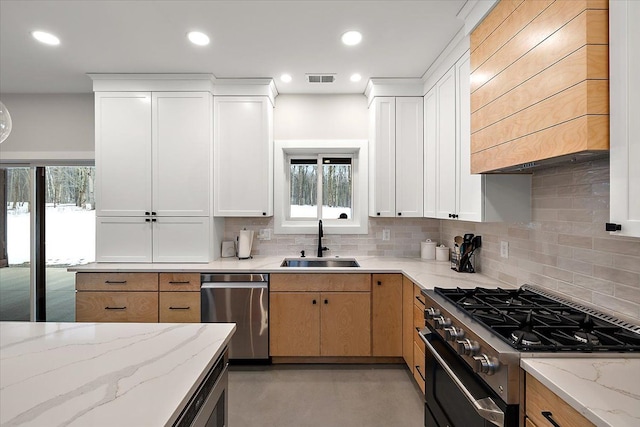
[
  {"x": 351, "y": 38},
  {"x": 286, "y": 78},
  {"x": 356, "y": 77},
  {"x": 196, "y": 37},
  {"x": 46, "y": 38}
]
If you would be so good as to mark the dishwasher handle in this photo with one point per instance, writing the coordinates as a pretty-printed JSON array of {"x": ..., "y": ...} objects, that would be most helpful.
[{"x": 234, "y": 285}]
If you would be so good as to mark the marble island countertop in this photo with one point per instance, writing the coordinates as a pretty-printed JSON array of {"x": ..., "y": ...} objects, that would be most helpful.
[
  {"x": 605, "y": 390},
  {"x": 103, "y": 374},
  {"x": 425, "y": 274}
]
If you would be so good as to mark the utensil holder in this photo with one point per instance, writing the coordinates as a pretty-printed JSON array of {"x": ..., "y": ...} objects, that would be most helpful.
[{"x": 463, "y": 263}]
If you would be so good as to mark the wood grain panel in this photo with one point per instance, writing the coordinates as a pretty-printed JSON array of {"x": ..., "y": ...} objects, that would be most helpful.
[
  {"x": 189, "y": 282},
  {"x": 418, "y": 298},
  {"x": 117, "y": 281},
  {"x": 407, "y": 322},
  {"x": 294, "y": 323},
  {"x": 300, "y": 282},
  {"x": 386, "y": 314},
  {"x": 588, "y": 97},
  {"x": 539, "y": 398},
  {"x": 179, "y": 307},
  {"x": 489, "y": 24},
  {"x": 586, "y": 133},
  {"x": 419, "y": 371},
  {"x": 345, "y": 324},
  {"x": 568, "y": 72},
  {"x": 544, "y": 25},
  {"x": 117, "y": 307},
  {"x": 516, "y": 22}
]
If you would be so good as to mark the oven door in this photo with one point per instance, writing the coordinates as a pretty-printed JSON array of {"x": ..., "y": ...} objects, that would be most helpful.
[{"x": 455, "y": 396}]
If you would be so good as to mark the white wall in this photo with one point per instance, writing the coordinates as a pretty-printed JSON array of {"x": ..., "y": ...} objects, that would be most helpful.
[
  {"x": 49, "y": 127},
  {"x": 321, "y": 117}
]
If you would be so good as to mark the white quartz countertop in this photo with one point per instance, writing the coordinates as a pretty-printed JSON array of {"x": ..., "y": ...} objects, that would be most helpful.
[
  {"x": 605, "y": 391},
  {"x": 426, "y": 274},
  {"x": 103, "y": 374}
]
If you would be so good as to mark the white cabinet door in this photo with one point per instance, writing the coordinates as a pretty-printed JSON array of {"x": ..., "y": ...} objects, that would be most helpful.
[
  {"x": 446, "y": 153},
  {"x": 409, "y": 156},
  {"x": 184, "y": 239},
  {"x": 624, "y": 69},
  {"x": 182, "y": 153},
  {"x": 382, "y": 167},
  {"x": 123, "y": 239},
  {"x": 430, "y": 150},
  {"x": 243, "y": 156},
  {"x": 469, "y": 187},
  {"x": 123, "y": 153}
]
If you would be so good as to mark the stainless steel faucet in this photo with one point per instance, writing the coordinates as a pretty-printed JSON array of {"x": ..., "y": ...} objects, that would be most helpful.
[{"x": 320, "y": 234}]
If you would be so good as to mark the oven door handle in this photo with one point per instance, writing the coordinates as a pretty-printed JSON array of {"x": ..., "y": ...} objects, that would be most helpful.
[{"x": 486, "y": 407}]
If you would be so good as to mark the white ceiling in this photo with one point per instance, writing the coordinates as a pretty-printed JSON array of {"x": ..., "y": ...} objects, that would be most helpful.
[{"x": 248, "y": 39}]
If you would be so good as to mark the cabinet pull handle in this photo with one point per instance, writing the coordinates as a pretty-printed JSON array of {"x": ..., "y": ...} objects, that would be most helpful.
[
  {"x": 147, "y": 220},
  {"x": 399, "y": 213},
  {"x": 116, "y": 308},
  {"x": 153, "y": 213},
  {"x": 314, "y": 301},
  {"x": 378, "y": 213},
  {"x": 549, "y": 416},
  {"x": 153, "y": 220},
  {"x": 420, "y": 301},
  {"x": 420, "y": 373},
  {"x": 147, "y": 213},
  {"x": 115, "y": 282},
  {"x": 417, "y": 329},
  {"x": 326, "y": 301},
  {"x": 264, "y": 214},
  {"x": 379, "y": 283},
  {"x": 186, "y": 282},
  {"x": 179, "y": 308}
]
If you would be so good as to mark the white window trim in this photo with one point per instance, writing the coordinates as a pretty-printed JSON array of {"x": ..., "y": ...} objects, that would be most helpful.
[{"x": 358, "y": 148}]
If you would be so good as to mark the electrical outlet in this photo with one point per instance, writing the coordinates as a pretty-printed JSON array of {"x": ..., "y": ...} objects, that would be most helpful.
[
  {"x": 504, "y": 249},
  {"x": 264, "y": 234},
  {"x": 386, "y": 234}
]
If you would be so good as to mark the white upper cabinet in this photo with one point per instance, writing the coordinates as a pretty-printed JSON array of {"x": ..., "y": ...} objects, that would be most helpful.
[
  {"x": 182, "y": 153},
  {"x": 123, "y": 153},
  {"x": 395, "y": 157},
  {"x": 451, "y": 191},
  {"x": 243, "y": 156},
  {"x": 624, "y": 78}
]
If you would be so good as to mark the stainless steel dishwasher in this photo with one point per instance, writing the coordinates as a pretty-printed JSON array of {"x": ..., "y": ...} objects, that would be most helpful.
[{"x": 242, "y": 299}]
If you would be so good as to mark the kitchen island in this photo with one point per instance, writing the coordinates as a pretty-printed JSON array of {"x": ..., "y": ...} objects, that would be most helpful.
[{"x": 100, "y": 374}]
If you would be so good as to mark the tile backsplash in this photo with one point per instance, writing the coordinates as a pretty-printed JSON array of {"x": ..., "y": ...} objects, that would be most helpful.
[{"x": 565, "y": 248}]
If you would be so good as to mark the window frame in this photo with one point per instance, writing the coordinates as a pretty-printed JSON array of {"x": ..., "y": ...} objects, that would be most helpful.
[{"x": 357, "y": 150}]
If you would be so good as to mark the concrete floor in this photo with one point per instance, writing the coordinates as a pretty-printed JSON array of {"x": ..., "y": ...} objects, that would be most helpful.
[{"x": 324, "y": 396}]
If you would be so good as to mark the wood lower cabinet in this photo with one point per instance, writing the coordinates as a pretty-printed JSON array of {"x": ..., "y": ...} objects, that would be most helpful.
[
  {"x": 312, "y": 315},
  {"x": 117, "y": 307},
  {"x": 418, "y": 345},
  {"x": 542, "y": 404},
  {"x": 179, "y": 307},
  {"x": 407, "y": 322},
  {"x": 386, "y": 314}
]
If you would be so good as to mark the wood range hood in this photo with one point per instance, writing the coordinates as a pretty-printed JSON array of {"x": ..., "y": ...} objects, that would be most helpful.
[{"x": 539, "y": 84}]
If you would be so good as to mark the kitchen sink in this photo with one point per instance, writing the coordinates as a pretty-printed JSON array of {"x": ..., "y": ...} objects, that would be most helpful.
[{"x": 318, "y": 262}]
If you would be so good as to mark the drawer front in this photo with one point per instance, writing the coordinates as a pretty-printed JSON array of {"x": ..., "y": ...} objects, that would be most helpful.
[
  {"x": 417, "y": 341},
  {"x": 117, "y": 281},
  {"x": 418, "y": 298},
  {"x": 418, "y": 372},
  {"x": 179, "y": 307},
  {"x": 117, "y": 307},
  {"x": 189, "y": 282},
  {"x": 319, "y": 282},
  {"x": 540, "y": 400},
  {"x": 418, "y": 317}
]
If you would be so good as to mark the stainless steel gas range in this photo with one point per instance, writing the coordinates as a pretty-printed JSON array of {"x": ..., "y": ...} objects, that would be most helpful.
[{"x": 475, "y": 338}]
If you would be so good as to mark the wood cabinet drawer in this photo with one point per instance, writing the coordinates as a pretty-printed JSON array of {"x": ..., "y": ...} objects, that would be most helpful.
[
  {"x": 418, "y": 298},
  {"x": 418, "y": 317},
  {"x": 540, "y": 400},
  {"x": 418, "y": 372},
  {"x": 180, "y": 282},
  {"x": 179, "y": 307},
  {"x": 418, "y": 341},
  {"x": 318, "y": 282},
  {"x": 117, "y": 307},
  {"x": 117, "y": 281}
]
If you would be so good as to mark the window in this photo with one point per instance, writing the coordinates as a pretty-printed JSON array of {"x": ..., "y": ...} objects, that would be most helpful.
[
  {"x": 320, "y": 188},
  {"x": 321, "y": 180}
]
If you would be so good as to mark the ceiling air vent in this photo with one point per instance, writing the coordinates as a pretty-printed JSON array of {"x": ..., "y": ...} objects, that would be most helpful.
[{"x": 321, "y": 78}]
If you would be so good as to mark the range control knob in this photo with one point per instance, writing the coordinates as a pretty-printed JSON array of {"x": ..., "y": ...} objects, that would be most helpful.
[
  {"x": 468, "y": 347},
  {"x": 452, "y": 333},
  {"x": 431, "y": 313},
  {"x": 441, "y": 322},
  {"x": 486, "y": 364}
]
